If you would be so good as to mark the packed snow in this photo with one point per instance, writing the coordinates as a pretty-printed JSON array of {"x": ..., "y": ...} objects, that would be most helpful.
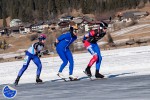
[{"x": 122, "y": 62}]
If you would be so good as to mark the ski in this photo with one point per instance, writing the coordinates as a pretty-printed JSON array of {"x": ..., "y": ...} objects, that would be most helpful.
[
  {"x": 39, "y": 83},
  {"x": 98, "y": 79},
  {"x": 64, "y": 79},
  {"x": 76, "y": 79},
  {"x": 92, "y": 79},
  {"x": 55, "y": 80}
]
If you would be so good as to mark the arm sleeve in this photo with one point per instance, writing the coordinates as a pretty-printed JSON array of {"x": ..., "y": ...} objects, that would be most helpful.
[{"x": 63, "y": 36}]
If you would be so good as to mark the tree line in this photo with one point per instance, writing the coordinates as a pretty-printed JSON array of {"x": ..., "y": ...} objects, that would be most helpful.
[{"x": 31, "y": 10}]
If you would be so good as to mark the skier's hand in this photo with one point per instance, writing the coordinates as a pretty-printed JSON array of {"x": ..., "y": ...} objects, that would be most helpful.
[
  {"x": 39, "y": 54},
  {"x": 36, "y": 53}
]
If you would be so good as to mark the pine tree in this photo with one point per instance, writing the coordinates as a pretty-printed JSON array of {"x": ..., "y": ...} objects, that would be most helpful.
[
  {"x": 85, "y": 8},
  {"x": 4, "y": 22},
  {"x": 1, "y": 10},
  {"x": 52, "y": 9},
  {"x": 28, "y": 10}
]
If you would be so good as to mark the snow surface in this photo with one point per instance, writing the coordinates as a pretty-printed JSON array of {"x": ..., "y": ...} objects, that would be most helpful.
[
  {"x": 126, "y": 62},
  {"x": 11, "y": 54}
]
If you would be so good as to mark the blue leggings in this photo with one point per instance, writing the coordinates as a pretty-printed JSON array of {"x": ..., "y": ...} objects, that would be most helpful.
[
  {"x": 27, "y": 60},
  {"x": 66, "y": 56},
  {"x": 95, "y": 50}
]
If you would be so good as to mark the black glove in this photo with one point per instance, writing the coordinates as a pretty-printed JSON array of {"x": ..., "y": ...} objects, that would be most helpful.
[
  {"x": 39, "y": 54},
  {"x": 102, "y": 34}
]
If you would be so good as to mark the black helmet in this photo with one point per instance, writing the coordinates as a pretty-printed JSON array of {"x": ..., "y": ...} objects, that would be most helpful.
[{"x": 103, "y": 25}]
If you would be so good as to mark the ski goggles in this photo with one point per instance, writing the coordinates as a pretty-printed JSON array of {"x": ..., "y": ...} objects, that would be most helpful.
[
  {"x": 76, "y": 31},
  {"x": 42, "y": 38}
]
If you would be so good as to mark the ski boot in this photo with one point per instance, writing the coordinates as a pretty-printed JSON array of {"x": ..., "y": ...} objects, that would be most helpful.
[
  {"x": 61, "y": 75},
  {"x": 38, "y": 80},
  {"x": 98, "y": 75},
  {"x": 73, "y": 78},
  {"x": 88, "y": 71},
  {"x": 17, "y": 81}
]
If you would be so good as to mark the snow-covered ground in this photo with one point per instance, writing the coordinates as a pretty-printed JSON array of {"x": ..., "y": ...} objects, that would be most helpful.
[
  {"x": 11, "y": 54},
  {"x": 128, "y": 61}
]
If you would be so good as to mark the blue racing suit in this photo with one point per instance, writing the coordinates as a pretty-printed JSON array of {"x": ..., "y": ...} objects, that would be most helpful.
[
  {"x": 32, "y": 54},
  {"x": 64, "y": 52}
]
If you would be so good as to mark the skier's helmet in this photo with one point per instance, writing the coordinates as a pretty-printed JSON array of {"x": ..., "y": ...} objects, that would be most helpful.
[
  {"x": 103, "y": 25},
  {"x": 42, "y": 37}
]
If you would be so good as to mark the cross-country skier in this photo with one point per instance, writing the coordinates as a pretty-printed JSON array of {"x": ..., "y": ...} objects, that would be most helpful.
[
  {"x": 90, "y": 42},
  {"x": 62, "y": 47},
  {"x": 33, "y": 53}
]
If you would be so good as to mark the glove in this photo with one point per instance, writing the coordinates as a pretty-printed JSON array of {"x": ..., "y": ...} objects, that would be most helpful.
[
  {"x": 39, "y": 54},
  {"x": 102, "y": 34}
]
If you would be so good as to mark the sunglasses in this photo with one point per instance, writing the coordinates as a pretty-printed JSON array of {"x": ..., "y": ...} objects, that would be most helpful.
[
  {"x": 42, "y": 39},
  {"x": 105, "y": 27},
  {"x": 75, "y": 31}
]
